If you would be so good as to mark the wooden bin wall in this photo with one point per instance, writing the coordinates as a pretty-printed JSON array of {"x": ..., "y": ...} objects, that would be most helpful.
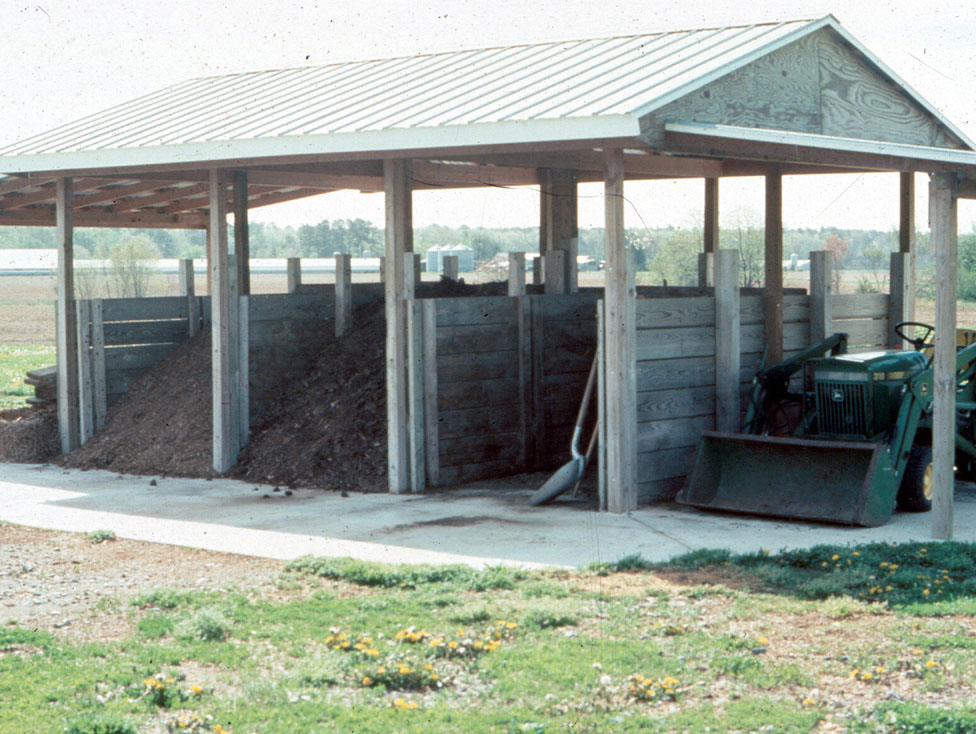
[{"x": 504, "y": 377}]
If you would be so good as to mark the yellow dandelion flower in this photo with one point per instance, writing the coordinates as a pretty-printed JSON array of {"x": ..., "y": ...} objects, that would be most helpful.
[
  {"x": 380, "y": 670},
  {"x": 763, "y": 641},
  {"x": 196, "y": 689},
  {"x": 834, "y": 557},
  {"x": 824, "y": 564},
  {"x": 808, "y": 702},
  {"x": 412, "y": 705},
  {"x": 511, "y": 625},
  {"x": 856, "y": 553},
  {"x": 892, "y": 566},
  {"x": 404, "y": 670},
  {"x": 925, "y": 592},
  {"x": 884, "y": 564},
  {"x": 367, "y": 681},
  {"x": 930, "y": 663},
  {"x": 866, "y": 676},
  {"x": 181, "y": 723},
  {"x": 452, "y": 644}
]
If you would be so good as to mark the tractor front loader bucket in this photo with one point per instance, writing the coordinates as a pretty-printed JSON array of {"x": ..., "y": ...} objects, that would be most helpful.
[{"x": 851, "y": 483}]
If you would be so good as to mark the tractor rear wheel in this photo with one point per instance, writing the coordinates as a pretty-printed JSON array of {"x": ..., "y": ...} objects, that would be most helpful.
[{"x": 915, "y": 493}]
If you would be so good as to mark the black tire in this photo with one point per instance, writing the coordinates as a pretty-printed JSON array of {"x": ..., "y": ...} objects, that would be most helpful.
[{"x": 915, "y": 493}]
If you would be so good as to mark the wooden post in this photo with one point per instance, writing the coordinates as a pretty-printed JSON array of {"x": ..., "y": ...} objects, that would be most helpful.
[
  {"x": 417, "y": 268},
  {"x": 944, "y": 235},
  {"x": 821, "y": 311},
  {"x": 225, "y": 435},
  {"x": 537, "y": 262},
  {"x": 555, "y": 265},
  {"x": 601, "y": 406},
  {"x": 242, "y": 237},
  {"x": 900, "y": 298},
  {"x": 523, "y": 314},
  {"x": 449, "y": 268},
  {"x": 415, "y": 394},
  {"x": 67, "y": 345},
  {"x": 516, "y": 274},
  {"x": 706, "y": 269},
  {"x": 432, "y": 460},
  {"x": 98, "y": 363},
  {"x": 209, "y": 246},
  {"x": 620, "y": 350},
  {"x": 559, "y": 228},
  {"x": 86, "y": 387},
  {"x": 710, "y": 235},
  {"x": 728, "y": 347},
  {"x": 906, "y": 236},
  {"x": 293, "y": 266},
  {"x": 188, "y": 290},
  {"x": 343, "y": 294},
  {"x": 399, "y": 241},
  {"x": 234, "y": 334},
  {"x": 244, "y": 370},
  {"x": 773, "y": 290}
]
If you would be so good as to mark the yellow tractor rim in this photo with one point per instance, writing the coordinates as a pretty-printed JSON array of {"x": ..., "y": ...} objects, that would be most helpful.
[{"x": 927, "y": 483}]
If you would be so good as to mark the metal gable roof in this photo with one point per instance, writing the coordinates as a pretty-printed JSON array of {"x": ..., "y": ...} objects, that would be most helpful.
[
  {"x": 586, "y": 79},
  {"x": 571, "y": 90}
]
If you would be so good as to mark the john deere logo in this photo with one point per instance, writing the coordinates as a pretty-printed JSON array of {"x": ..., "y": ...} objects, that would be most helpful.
[{"x": 837, "y": 396}]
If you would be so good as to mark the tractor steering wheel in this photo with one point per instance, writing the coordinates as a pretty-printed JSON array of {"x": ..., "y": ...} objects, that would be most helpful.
[{"x": 921, "y": 342}]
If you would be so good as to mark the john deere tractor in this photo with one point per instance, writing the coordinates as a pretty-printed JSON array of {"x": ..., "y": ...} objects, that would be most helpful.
[{"x": 842, "y": 437}]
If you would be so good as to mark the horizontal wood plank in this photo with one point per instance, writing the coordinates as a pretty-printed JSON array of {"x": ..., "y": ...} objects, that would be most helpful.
[
  {"x": 477, "y": 366},
  {"x": 659, "y": 490},
  {"x": 568, "y": 307},
  {"x": 144, "y": 309},
  {"x": 478, "y": 421},
  {"x": 675, "y": 433},
  {"x": 479, "y": 449},
  {"x": 663, "y": 313},
  {"x": 658, "y": 405},
  {"x": 135, "y": 357},
  {"x": 450, "y": 476},
  {"x": 280, "y": 306},
  {"x": 146, "y": 332},
  {"x": 666, "y": 464},
  {"x": 859, "y": 305},
  {"x": 692, "y": 341},
  {"x": 577, "y": 336},
  {"x": 864, "y": 332},
  {"x": 469, "y": 339},
  {"x": 476, "y": 311},
  {"x": 480, "y": 394}
]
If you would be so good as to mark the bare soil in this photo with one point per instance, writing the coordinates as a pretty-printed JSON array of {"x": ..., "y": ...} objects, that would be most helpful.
[{"x": 52, "y": 580}]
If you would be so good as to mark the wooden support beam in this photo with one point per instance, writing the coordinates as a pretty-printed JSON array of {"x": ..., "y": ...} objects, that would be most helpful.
[
  {"x": 399, "y": 242},
  {"x": 773, "y": 289},
  {"x": 293, "y": 273},
  {"x": 98, "y": 362},
  {"x": 415, "y": 394},
  {"x": 48, "y": 193},
  {"x": 906, "y": 240},
  {"x": 19, "y": 183},
  {"x": 164, "y": 196},
  {"x": 449, "y": 266},
  {"x": 900, "y": 299},
  {"x": 559, "y": 228},
  {"x": 555, "y": 272},
  {"x": 46, "y": 217},
  {"x": 431, "y": 415},
  {"x": 343, "y": 294},
  {"x": 67, "y": 335},
  {"x": 706, "y": 269},
  {"x": 728, "y": 346},
  {"x": 620, "y": 347},
  {"x": 225, "y": 436},
  {"x": 86, "y": 386},
  {"x": 516, "y": 273},
  {"x": 944, "y": 238},
  {"x": 114, "y": 194},
  {"x": 711, "y": 228},
  {"x": 821, "y": 310},
  {"x": 188, "y": 290},
  {"x": 242, "y": 235}
]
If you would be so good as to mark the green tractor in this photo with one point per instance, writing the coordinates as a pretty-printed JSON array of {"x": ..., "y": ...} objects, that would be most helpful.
[{"x": 840, "y": 438}]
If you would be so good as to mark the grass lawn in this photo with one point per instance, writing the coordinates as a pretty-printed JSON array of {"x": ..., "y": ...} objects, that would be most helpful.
[
  {"x": 873, "y": 638},
  {"x": 15, "y": 361}
]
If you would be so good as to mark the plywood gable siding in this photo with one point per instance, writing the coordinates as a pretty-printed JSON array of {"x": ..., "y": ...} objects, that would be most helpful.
[{"x": 818, "y": 85}]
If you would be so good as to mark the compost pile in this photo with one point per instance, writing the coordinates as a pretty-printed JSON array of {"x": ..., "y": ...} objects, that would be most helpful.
[
  {"x": 162, "y": 426},
  {"x": 329, "y": 429},
  {"x": 326, "y": 429}
]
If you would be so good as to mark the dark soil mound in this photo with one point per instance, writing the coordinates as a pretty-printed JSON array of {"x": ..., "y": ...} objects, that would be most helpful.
[
  {"x": 162, "y": 426},
  {"x": 329, "y": 431}
]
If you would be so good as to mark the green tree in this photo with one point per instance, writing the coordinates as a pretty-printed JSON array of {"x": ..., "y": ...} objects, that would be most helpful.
[
  {"x": 746, "y": 235},
  {"x": 677, "y": 260}
]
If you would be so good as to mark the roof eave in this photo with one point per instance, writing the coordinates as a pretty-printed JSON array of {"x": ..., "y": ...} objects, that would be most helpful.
[{"x": 446, "y": 138}]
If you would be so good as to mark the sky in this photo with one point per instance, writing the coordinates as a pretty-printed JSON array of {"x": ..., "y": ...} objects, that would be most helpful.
[{"x": 64, "y": 59}]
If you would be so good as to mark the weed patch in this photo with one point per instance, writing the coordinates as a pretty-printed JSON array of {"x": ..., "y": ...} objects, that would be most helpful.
[{"x": 385, "y": 576}]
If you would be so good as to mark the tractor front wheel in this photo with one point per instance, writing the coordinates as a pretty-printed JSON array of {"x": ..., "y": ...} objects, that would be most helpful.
[{"x": 915, "y": 493}]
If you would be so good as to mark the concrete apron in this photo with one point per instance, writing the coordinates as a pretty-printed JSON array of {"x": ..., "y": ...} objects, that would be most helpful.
[{"x": 481, "y": 525}]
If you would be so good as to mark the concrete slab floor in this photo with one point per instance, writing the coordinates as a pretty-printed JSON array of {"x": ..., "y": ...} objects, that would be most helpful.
[{"x": 480, "y": 525}]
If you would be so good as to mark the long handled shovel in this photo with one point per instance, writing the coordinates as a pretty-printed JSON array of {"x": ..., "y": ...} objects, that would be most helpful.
[{"x": 571, "y": 472}]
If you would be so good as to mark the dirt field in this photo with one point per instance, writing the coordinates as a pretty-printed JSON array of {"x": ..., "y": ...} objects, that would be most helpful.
[{"x": 51, "y": 580}]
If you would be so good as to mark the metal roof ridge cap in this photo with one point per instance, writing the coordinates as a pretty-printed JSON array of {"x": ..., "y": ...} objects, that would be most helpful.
[{"x": 810, "y": 27}]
